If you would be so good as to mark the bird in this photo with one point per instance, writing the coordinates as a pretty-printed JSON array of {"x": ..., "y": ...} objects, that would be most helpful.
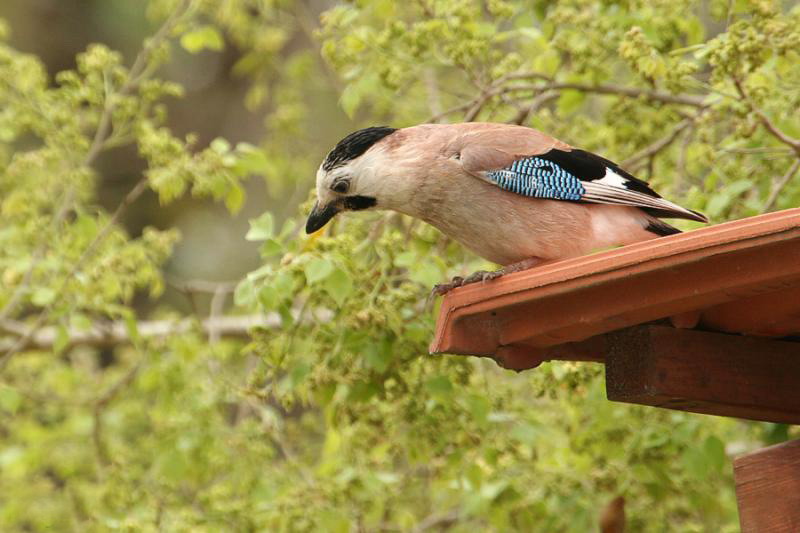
[{"x": 511, "y": 194}]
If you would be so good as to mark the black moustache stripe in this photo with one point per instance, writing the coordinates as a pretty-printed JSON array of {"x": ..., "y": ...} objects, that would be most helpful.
[{"x": 357, "y": 203}]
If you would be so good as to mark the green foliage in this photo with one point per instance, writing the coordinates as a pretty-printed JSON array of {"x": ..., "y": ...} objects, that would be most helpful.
[{"x": 332, "y": 417}]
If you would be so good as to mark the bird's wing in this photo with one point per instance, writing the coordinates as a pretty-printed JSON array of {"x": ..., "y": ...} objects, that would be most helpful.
[{"x": 529, "y": 163}]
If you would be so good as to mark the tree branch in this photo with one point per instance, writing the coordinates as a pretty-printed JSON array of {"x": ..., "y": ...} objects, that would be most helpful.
[
  {"x": 474, "y": 107},
  {"x": 537, "y": 103},
  {"x": 117, "y": 333},
  {"x": 776, "y": 132},
  {"x": 614, "y": 90},
  {"x": 657, "y": 146},
  {"x": 779, "y": 185}
]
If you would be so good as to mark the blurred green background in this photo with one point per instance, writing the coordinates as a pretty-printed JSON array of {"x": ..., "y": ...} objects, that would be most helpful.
[{"x": 175, "y": 353}]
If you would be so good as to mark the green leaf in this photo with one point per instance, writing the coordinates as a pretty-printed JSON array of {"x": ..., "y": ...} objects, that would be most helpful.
[
  {"x": 61, "y": 340},
  {"x": 269, "y": 297},
  {"x": 334, "y": 521},
  {"x": 715, "y": 452},
  {"x": 202, "y": 38},
  {"x": 234, "y": 199},
  {"x": 261, "y": 228},
  {"x": 350, "y": 99},
  {"x": 10, "y": 400},
  {"x": 717, "y": 204},
  {"x": 570, "y": 101},
  {"x": 439, "y": 386},
  {"x": 525, "y": 433},
  {"x": 339, "y": 285},
  {"x": 362, "y": 391},
  {"x": 43, "y": 296},
  {"x": 244, "y": 295},
  {"x": 271, "y": 247},
  {"x": 378, "y": 356},
  {"x": 318, "y": 269},
  {"x": 252, "y": 160}
]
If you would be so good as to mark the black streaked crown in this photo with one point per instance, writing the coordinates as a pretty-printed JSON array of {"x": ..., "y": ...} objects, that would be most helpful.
[{"x": 354, "y": 145}]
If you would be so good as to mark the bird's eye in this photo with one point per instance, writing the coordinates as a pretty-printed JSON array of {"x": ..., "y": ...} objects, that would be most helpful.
[{"x": 340, "y": 187}]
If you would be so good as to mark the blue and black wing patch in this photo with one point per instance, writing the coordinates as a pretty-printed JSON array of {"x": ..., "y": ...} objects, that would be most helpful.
[
  {"x": 580, "y": 176},
  {"x": 538, "y": 178}
]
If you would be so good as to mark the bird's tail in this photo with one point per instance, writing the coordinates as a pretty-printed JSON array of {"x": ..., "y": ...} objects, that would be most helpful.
[{"x": 661, "y": 228}]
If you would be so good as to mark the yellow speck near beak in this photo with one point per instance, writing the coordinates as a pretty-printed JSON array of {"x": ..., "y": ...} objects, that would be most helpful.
[{"x": 311, "y": 240}]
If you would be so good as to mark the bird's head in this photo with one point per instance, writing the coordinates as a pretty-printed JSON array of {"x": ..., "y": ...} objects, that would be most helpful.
[{"x": 349, "y": 178}]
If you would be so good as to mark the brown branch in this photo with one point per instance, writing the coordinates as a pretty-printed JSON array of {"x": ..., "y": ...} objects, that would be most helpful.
[
  {"x": 614, "y": 90},
  {"x": 657, "y": 146},
  {"x": 537, "y": 103},
  {"x": 474, "y": 106},
  {"x": 779, "y": 186},
  {"x": 776, "y": 132},
  {"x": 478, "y": 104},
  {"x": 116, "y": 333}
]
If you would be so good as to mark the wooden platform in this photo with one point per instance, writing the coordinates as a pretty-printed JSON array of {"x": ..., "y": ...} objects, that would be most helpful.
[{"x": 719, "y": 297}]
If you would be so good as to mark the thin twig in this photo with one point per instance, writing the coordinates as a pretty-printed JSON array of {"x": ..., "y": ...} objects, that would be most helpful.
[
  {"x": 779, "y": 186},
  {"x": 776, "y": 132},
  {"x": 778, "y": 150},
  {"x": 537, "y": 103},
  {"x": 474, "y": 106},
  {"x": 614, "y": 90},
  {"x": 657, "y": 146},
  {"x": 477, "y": 105}
]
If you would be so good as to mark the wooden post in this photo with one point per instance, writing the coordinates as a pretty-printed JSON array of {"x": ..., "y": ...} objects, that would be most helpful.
[
  {"x": 702, "y": 372},
  {"x": 768, "y": 489}
]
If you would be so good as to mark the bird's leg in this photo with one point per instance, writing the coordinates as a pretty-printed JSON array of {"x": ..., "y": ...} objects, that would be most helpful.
[
  {"x": 484, "y": 275},
  {"x": 443, "y": 288}
]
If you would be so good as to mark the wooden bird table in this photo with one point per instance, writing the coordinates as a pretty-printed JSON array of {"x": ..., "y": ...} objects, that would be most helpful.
[{"x": 706, "y": 321}]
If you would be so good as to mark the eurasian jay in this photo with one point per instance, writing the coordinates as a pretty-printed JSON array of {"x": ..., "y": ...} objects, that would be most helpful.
[{"x": 509, "y": 193}]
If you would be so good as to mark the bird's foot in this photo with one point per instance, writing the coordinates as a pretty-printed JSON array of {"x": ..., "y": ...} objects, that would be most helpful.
[{"x": 441, "y": 289}]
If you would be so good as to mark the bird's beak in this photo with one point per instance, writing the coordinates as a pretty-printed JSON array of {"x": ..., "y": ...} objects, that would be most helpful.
[{"x": 320, "y": 216}]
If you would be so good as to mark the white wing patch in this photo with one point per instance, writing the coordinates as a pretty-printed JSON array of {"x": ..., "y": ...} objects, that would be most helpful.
[{"x": 613, "y": 179}]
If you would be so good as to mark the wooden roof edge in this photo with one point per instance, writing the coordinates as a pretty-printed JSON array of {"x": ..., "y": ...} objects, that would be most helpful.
[{"x": 470, "y": 318}]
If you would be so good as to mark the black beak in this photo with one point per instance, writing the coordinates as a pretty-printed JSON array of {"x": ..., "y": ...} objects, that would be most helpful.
[{"x": 320, "y": 217}]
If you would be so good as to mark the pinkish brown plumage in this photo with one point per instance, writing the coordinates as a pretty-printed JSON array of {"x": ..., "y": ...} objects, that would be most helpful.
[{"x": 511, "y": 194}]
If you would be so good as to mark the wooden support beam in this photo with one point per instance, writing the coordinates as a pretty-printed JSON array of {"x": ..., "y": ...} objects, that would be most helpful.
[
  {"x": 702, "y": 372},
  {"x": 768, "y": 489}
]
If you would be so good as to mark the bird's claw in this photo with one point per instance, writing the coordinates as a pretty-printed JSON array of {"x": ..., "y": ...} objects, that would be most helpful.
[
  {"x": 440, "y": 289},
  {"x": 483, "y": 276}
]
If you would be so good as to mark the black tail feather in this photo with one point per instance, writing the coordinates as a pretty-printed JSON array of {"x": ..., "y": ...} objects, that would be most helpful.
[{"x": 660, "y": 228}]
